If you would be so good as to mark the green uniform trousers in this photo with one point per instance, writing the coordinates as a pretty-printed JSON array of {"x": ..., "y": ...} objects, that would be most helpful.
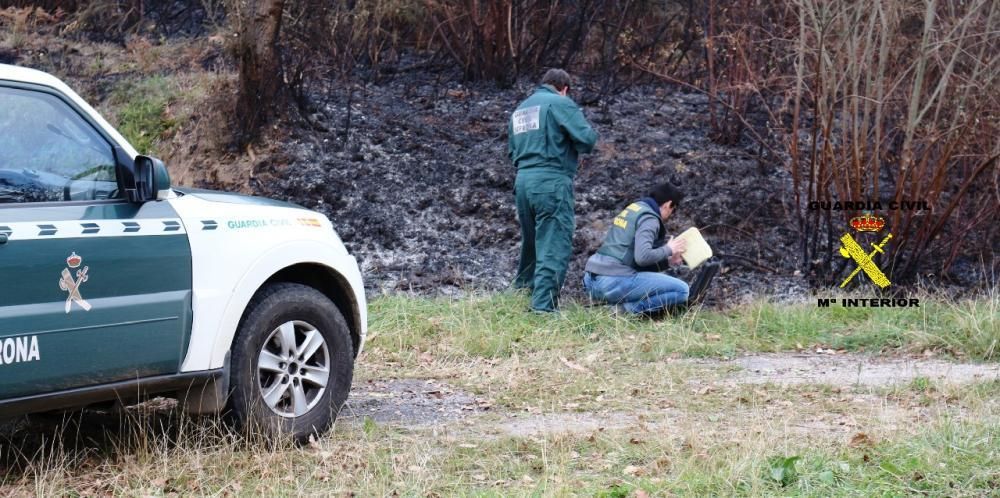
[{"x": 545, "y": 210}]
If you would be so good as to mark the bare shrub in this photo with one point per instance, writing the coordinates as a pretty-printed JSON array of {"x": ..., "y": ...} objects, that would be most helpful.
[
  {"x": 901, "y": 109},
  {"x": 21, "y": 22},
  {"x": 370, "y": 32},
  {"x": 745, "y": 50},
  {"x": 505, "y": 39},
  {"x": 884, "y": 101},
  {"x": 49, "y": 5},
  {"x": 499, "y": 40}
]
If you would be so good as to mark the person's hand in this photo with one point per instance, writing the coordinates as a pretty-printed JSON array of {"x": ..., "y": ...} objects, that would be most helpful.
[
  {"x": 677, "y": 246},
  {"x": 676, "y": 260}
]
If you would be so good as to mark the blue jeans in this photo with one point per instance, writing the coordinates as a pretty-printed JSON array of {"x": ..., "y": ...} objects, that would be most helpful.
[{"x": 644, "y": 292}]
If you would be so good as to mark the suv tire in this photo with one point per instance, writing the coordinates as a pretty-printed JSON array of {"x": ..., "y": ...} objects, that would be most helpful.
[{"x": 292, "y": 363}]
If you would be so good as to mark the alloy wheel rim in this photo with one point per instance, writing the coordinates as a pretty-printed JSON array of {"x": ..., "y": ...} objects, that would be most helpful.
[{"x": 293, "y": 368}]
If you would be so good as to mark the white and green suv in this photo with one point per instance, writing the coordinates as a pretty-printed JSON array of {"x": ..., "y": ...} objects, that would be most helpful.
[{"x": 115, "y": 286}]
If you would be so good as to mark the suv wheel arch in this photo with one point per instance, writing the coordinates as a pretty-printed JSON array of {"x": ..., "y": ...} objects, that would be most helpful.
[{"x": 332, "y": 284}]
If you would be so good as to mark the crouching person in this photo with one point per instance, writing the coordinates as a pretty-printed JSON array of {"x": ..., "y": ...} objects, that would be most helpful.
[{"x": 625, "y": 271}]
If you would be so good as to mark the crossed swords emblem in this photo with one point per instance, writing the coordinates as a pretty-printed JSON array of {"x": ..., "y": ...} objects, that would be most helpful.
[
  {"x": 67, "y": 283},
  {"x": 852, "y": 250}
]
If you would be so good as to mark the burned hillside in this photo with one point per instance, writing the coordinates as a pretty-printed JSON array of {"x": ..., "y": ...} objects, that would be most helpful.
[{"x": 398, "y": 131}]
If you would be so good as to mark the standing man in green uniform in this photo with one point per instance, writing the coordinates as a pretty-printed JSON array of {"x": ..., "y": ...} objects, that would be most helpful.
[{"x": 547, "y": 133}]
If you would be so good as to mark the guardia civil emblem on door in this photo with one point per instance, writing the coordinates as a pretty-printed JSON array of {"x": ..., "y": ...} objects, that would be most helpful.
[{"x": 72, "y": 285}]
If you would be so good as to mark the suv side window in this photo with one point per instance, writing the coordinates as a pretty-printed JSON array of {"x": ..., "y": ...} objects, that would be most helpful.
[{"x": 49, "y": 153}]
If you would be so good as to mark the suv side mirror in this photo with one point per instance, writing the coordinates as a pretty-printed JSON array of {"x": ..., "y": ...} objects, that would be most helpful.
[{"x": 149, "y": 180}]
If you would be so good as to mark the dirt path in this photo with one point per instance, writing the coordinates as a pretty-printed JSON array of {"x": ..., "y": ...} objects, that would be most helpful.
[
  {"x": 845, "y": 370},
  {"x": 848, "y": 405},
  {"x": 408, "y": 402}
]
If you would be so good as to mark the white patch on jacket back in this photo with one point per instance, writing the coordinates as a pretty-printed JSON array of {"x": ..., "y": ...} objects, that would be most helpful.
[{"x": 525, "y": 119}]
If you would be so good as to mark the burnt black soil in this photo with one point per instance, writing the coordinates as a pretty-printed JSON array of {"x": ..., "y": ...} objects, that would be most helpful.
[
  {"x": 413, "y": 170},
  {"x": 415, "y": 176}
]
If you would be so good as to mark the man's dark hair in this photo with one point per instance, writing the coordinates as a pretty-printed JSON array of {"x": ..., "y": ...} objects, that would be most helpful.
[
  {"x": 667, "y": 192},
  {"x": 557, "y": 78}
]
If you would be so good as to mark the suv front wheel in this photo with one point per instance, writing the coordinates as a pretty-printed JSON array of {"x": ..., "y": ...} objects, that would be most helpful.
[{"x": 292, "y": 362}]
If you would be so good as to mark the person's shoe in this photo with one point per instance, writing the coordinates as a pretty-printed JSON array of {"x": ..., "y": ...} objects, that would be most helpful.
[
  {"x": 700, "y": 284},
  {"x": 657, "y": 314}
]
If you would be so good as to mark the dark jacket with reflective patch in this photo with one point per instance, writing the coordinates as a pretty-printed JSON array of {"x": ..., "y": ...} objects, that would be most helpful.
[
  {"x": 548, "y": 132},
  {"x": 617, "y": 255}
]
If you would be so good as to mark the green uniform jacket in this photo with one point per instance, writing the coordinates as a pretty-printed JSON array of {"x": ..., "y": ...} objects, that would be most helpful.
[{"x": 547, "y": 132}]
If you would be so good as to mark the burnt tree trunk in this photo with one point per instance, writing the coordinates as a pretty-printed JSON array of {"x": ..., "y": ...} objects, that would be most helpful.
[{"x": 262, "y": 91}]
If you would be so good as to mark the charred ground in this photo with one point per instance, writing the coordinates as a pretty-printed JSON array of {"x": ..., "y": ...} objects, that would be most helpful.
[
  {"x": 410, "y": 162},
  {"x": 414, "y": 173}
]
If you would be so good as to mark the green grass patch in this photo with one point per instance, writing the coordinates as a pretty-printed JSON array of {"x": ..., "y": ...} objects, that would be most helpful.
[
  {"x": 499, "y": 325},
  {"x": 947, "y": 459},
  {"x": 141, "y": 111}
]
